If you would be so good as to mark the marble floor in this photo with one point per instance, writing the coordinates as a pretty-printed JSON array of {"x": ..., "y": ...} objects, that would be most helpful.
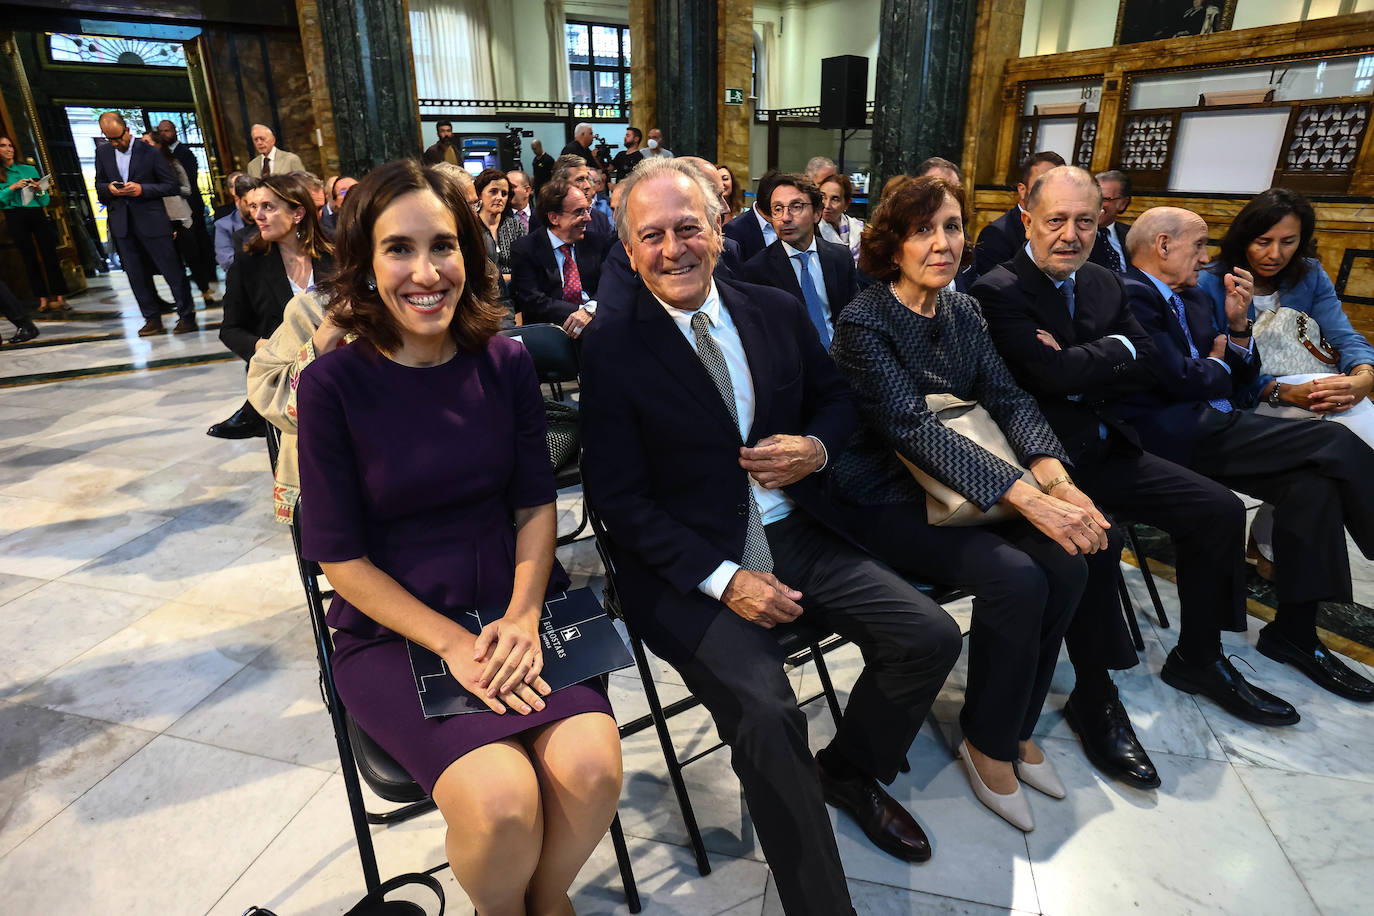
[{"x": 163, "y": 747}]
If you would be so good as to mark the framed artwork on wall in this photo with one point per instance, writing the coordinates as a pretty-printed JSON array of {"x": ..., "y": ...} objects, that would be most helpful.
[{"x": 1148, "y": 20}]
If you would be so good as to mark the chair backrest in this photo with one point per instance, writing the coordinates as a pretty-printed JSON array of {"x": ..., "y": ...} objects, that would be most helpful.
[{"x": 555, "y": 357}]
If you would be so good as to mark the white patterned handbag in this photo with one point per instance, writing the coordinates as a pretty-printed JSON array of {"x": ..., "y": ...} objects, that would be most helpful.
[{"x": 1291, "y": 342}]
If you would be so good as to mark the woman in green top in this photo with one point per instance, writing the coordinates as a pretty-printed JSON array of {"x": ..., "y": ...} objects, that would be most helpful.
[{"x": 31, "y": 230}]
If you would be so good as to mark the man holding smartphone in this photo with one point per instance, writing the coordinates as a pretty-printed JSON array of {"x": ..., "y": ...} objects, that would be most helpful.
[{"x": 131, "y": 179}]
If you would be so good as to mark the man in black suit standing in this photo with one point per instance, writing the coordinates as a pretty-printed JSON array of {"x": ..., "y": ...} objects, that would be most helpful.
[
  {"x": 1109, "y": 250},
  {"x": 1002, "y": 238},
  {"x": 1314, "y": 474},
  {"x": 556, "y": 267},
  {"x": 754, "y": 229},
  {"x": 818, "y": 274},
  {"x": 130, "y": 180},
  {"x": 167, "y": 135},
  {"x": 1066, "y": 331},
  {"x": 709, "y": 414}
]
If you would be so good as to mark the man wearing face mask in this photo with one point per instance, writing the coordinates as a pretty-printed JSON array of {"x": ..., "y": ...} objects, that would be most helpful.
[{"x": 655, "y": 149}]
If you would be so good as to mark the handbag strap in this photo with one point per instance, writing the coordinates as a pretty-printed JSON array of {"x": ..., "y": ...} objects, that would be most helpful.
[
  {"x": 1329, "y": 360},
  {"x": 376, "y": 904}
]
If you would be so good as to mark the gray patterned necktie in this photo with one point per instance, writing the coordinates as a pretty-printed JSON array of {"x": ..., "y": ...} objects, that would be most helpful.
[{"x": 757, "y": 555}]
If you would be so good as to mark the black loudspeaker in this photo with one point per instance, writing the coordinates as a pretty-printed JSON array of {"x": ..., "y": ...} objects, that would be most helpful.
[{"x": 844, "y": 92}]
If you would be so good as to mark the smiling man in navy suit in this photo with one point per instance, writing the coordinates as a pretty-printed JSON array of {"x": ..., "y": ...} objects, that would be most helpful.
[
  {"x": 130, "y": 180},
  {"x": 709, "y": 415}
]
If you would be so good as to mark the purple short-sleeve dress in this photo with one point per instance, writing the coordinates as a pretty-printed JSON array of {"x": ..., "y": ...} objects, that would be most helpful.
[{"x": 420, "y": 470}]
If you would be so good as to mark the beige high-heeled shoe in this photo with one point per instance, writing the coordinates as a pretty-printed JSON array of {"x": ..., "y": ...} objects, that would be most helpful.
[
  {"x": 1013, "y": 808},
  {"x": 1041, "y": 777}
]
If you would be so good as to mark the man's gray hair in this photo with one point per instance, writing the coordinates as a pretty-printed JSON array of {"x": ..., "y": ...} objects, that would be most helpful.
[
  {"x": 1154, "y": 222},
  {"x": 581, "y": 127},
  {"x": 1068, "y": 173},
  {"x": 650, "y": 169},
  {"x": 817, "y": 163},
  {"x": 264, "y": 127},
  {"x": 1119, "y": 177}
]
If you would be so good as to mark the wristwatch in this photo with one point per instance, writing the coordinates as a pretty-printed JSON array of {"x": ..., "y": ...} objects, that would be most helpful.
[
  {"x": 1249, "y": 328},
  {"x": 1273, "y": 398}
]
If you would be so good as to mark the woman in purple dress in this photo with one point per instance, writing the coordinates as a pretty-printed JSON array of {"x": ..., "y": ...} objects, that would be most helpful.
[{"x": 426, "y": 492}]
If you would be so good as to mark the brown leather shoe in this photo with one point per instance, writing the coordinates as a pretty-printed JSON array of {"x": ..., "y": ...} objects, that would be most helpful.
[
  {"x": 186, "y": 326},
  {"x": 885, "y": 822},
  {"x": 150, "y": 327}
]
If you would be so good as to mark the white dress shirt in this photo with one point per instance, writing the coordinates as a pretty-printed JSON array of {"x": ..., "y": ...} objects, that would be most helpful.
[
  {"x": 774, "y": 505},
  {"x": 813, "y": 267},
  {"x": 557, "y": 244}
]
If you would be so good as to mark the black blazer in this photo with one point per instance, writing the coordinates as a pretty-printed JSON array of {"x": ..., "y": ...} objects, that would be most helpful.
[
  {"x": 1168, "y": 415},
  {"x": 771, "y": 267},
  {"x": 1099, "y": 255},
  {"x": 536, "y": 284},
  {"x": 661, "y": 454},
  {"x": 144, "y": 216},
  {"x": 541, "y": 170},
  {"x": 255, "y": 294},
  {"x": 999, "y": 241},
  {"x": 1017, "y": 299},
  {"x": 745, "y": 230}
]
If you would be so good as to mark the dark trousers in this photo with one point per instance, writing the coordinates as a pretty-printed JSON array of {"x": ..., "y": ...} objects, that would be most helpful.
[
  {"x": 188, "y": 249},
  {"x": 1207, "y": 524},
  {"x": 909, "y": 645},
  {"x": 36, "y": 240},
  {"x": 12, "y": 308},
  {"x": 1025, "y": 590},
  {"x": 1316, "y": 475},
  {"x": 162, "y": 256}
]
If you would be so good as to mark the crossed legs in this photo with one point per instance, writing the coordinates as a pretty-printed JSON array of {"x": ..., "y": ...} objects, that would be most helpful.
[{"x": 525, "y": 813}]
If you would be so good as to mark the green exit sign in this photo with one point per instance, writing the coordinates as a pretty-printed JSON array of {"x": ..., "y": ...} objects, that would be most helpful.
[{"x": 734, "y": 97}]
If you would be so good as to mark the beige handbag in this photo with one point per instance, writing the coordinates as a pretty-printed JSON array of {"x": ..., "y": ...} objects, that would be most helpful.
[
  {"x": 1287, "y": 343},
  {"x": 946, "y": 507}
]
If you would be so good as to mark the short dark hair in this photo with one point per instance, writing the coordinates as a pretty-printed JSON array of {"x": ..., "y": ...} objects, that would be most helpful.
[
  {"x": 801, "y": 183},
  {"x": 243, "y": 183},
  {"x": 356, "y": 307},
  {"x": 553, "y": 193},
  {"x": 639, "y": 134},
  {"x": 846, "y": 186},
  {"x": 764, "y": 192},
  {"x": 1258, "y": 217},
  {"x": 486, "y": 177},
  {"x": 938, "y": 162},
  {"x": 897, "y": 218},
  {"x": 439, "y": 124},
  {"x": 294, "y": 189},
  {"x": 1035, "y": 159},
  {"x": 1119, "y": 177}
]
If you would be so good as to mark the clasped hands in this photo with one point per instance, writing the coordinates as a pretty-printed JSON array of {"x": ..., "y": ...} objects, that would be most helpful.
[
  {"x": 1330, "y": 394},
  {"x": 502, "y": 670}
]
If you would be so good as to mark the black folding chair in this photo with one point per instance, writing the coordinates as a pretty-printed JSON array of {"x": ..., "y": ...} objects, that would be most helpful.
[
  {"x": 801, "y": 643},
  {"x": 555, "y": 362},
  {"x": 1143, "y": 562},
  {"x": 359, "y": 754}
]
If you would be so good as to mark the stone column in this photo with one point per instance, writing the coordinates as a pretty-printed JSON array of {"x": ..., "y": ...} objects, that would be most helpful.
[
  {"x": 371, "y": 81},
  {"x": 924, "y": 51},
  {"x": 643, "y": 51},
  {"x": 736, "y": 42},
  {"x": 685, "y": 73},
  {"x": 316, "y": 72}
]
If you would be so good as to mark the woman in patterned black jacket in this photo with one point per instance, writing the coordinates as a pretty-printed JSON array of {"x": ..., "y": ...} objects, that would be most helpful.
[{"x": 900, "y": 340}]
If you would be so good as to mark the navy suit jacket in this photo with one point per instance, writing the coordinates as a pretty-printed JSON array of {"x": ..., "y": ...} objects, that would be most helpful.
[
  {"x": 1099, "y": 256},
  {"x": 771, "y": 267},
  {"x": 1078, "y": 386},
  {"x": 745, "y": 230},
  {"x": 661, "y": 454},
  {"x": 144, "y": 216},
  {"x": 536, "y": 284},
  {"x": 1168, "y": 415},
  {"x": 999, "y": 241}
]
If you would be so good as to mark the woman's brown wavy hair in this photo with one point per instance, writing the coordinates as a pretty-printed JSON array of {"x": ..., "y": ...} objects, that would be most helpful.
[
  {"x": 355, "y": 306},
  {"x": 898, "y": 217}
]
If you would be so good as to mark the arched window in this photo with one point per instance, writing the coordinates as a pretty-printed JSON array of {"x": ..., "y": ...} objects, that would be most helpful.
[{"x": 114, "y": 51}]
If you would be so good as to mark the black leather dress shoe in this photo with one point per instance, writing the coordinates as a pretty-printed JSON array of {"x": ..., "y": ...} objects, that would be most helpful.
[
  {"x": 150, "y": 327},
  {"x": 1325, "y": 670},
  {"x": 1219, "y": 681},
  {"x": 890, "y": 826},
  {"x": 1109, "y": 741},
  {"x": 244, "y": 424},
  {"x": 29, "y": 332}
]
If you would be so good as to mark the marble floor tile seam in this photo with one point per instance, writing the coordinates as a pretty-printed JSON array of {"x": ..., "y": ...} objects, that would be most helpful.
[
  {"x": 1278, "y": 841},
  {"x": 229, "y": 887},
  {"x": 239, "y": 750}
]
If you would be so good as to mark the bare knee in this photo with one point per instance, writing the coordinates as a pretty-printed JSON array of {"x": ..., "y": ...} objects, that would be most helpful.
[
  {"x": 499, "y": 805},
  {"x": 593, "y": 772}
]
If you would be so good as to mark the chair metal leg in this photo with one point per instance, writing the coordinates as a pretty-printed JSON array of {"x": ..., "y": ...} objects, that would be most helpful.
[
  {"x": 1162, "y": 617},
  {"x": 403, "y": 813},
  {"x": 831, "y": 698},
  {"x": 1128, "y": 609},
  {"x": 665, "y": 740},
  {"x": 627, "y": 874}
]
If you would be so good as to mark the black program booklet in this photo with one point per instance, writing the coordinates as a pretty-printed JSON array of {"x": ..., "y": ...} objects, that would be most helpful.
[{"x": 578, "y": 639}]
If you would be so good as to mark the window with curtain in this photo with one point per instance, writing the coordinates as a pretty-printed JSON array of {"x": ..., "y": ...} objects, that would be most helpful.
[
  {"x": 599, "y": 68},
  {"x": 451, "y": 41}
]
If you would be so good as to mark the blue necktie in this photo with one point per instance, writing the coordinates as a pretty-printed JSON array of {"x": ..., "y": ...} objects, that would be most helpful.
[
  {"x": 1221, "y": 404},
  {"x": 1104, "y": 239},
  {"x": 1067, "y": 290},
  {"x": 814, "y": 307}
]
